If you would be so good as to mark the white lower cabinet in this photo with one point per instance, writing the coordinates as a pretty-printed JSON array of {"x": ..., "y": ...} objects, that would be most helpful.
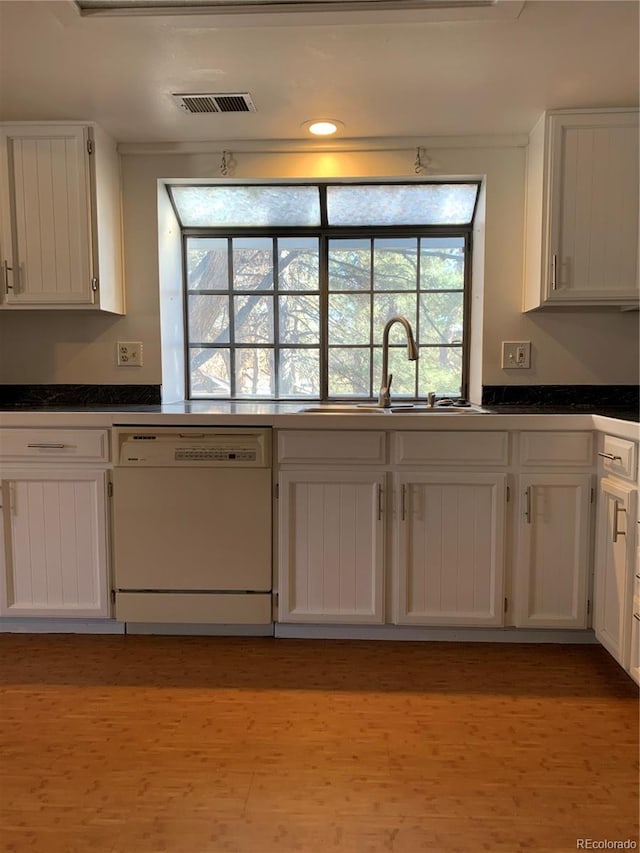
[
  {"x": 551, "y": 574},
  {"x": 53, "y": 543},
  {"x": 53, "y": 523},
  {"x": 634, "y": 647},
  {"x": 331, "y": 546},
  {"x": 449, "y": 549},
  {"x": 615, "y": 551}
]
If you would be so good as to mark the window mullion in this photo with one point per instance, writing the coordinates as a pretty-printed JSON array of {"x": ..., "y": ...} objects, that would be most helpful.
[
  {"x": 276, "y": 320},
  {"x": 323, "y": 273},
  {"x": 232, "y": 322},
  {"x": 417, "y": 329},
  {"x": 371, "y": 349}
]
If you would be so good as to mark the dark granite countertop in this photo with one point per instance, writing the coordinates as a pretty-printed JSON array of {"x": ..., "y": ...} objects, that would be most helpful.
[
  {"x": 615, "y": 401},
  {"x": 623, "y": 414}
]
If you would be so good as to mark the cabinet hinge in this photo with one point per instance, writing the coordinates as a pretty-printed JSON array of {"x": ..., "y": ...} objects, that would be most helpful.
[
  {"x": 593, "y": 494},
  {"x": 588, "y": 606},
  {"x": 508, "y": 494},
  {"x": 94, "y": 284},
  {"x": 110, "y": 489},
  {"x": 506, "y": 604},
  {"x": 277, "y": 490},
  {"x": 89, "y": 146},
  {"x": 113, "y": 596}
]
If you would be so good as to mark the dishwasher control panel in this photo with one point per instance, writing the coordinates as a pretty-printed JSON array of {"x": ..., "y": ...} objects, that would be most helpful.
[
  {"x": 164, "y": 447},
  {"x": 215, "y": 454}
]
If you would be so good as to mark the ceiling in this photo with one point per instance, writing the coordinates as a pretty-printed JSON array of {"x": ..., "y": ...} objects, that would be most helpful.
[{"x": 383, "y": 73}]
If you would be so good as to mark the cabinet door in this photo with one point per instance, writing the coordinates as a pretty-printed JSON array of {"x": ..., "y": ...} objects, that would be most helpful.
[
  {"x": 449, "y": 549},
  {"x": 593, "y": 238},
  {"x": 54, "y": 559},
  {"x": 634, "y": 649},
  {"x": 331, "y": 546},
  {"x": 552, "y": 565},
  {"x": 46, "y": 216},
  {"x": 613, "y": 571}
]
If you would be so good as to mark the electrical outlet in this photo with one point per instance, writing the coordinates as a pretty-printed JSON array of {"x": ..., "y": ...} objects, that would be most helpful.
[
  {"x": 516, "y": 354},
  {"x": 129, "y": 354}
]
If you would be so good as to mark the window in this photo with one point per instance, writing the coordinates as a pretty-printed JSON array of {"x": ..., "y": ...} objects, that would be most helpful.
[{"x": 288, "y": 288}]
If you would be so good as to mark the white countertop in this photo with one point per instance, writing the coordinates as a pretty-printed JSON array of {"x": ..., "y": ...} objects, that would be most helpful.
[{"x": 288, "y": 416}]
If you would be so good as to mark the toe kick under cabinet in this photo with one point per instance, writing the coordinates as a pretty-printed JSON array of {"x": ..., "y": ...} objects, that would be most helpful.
[{"x": 53, "y": 530}]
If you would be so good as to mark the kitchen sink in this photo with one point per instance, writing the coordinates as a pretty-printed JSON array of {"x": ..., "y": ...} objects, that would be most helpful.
[
  {"x": 347, "y": 409},
  {"x": 438, "y": 410},
  {"x": 400, "y": 409}
]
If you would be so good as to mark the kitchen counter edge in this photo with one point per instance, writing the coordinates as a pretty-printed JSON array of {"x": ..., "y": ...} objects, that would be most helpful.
[{"x": 288, "y": 417}]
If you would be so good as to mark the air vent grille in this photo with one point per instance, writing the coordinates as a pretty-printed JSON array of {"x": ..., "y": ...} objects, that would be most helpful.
[{"x": 217, "y": 103}]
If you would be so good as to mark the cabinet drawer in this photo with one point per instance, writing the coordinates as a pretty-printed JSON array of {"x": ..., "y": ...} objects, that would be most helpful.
[
  {"x": 619, "y": 456},
  {"x": 450, "y": 448},
  {"x": 86, "y": 445},
  {"x": 556, "y": 448},
  {"x": 328, "y": 446}
]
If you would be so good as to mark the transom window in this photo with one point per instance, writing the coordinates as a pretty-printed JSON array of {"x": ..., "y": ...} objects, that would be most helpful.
[{"x": 288, "y": 288}]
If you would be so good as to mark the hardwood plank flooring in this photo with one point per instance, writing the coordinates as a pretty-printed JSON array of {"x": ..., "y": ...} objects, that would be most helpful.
[{"x": 138, "y": 744}]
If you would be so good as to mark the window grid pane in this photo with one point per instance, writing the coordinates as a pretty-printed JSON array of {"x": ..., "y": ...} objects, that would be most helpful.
[{"x": 254, "y": 325}]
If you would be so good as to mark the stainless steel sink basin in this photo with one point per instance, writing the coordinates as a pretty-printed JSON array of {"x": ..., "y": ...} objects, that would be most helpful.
[
  {"x": 439, "y": 410},
  {"x": 339, "y": 409},
  {"x": 400, "y": 409}
]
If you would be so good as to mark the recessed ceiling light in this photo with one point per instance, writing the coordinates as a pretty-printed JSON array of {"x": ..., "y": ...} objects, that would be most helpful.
[{"x": 323, "y": 126}]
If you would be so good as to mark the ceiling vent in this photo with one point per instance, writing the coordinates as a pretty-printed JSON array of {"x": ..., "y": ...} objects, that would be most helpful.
[{"x": 203, "y": 102}]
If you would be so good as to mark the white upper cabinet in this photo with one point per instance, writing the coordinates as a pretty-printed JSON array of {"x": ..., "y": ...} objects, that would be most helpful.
[
  {"x": 581, "y": 234},
  {"x": 61, "y": 236}
]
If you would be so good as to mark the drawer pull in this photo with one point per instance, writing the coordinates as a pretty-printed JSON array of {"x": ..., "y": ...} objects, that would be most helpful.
[
  {"x": 47, "y": 446},
  {"x": 617, "y": 509},
  {"x": 7, "y": 270},
  {"x": 610, "y": 456}
]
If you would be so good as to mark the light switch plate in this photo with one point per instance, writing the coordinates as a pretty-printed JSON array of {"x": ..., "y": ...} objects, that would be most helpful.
[
  {"x": 516, "y": 355},
  {"x": 129, "y": 354}
]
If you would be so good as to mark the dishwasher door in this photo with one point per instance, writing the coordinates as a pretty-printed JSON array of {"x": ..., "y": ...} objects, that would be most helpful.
[
  {"x": 197, "y": 529},
  {"x": 192, "y": 531}
]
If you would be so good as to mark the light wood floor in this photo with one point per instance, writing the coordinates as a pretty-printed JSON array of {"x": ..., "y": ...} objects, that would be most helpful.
[{"x": 206, "y": 745}]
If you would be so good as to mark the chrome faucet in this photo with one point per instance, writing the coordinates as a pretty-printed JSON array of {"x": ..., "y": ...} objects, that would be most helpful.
[{"x": 384, "y": 399}]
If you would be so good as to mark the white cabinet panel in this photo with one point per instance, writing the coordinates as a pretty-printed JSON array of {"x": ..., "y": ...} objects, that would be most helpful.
[
  {"x": 55, "y": 548},
  {"x": 331, "y": 546},
  {"x": 50, "y": 445},
  {"x": 48, "y": 180},
  {"x": 615, "y": 551},
  {"x": 582, "y": 209},
  {"x": 556, "y": 449},
  {"x": 449, "y": 560},
  {"x": 619, "y": 457},
  {"x": 634, "y": 650},
  {"x": 552, "y": 565},
  {"x": 450, "y": 448},
  {"x": 331, "y": 446},
  {"x": 60, "y": 212}
]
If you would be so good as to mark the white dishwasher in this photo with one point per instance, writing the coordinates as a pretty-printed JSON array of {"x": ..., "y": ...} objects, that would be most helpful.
[{"x": 192, "y": 525}]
